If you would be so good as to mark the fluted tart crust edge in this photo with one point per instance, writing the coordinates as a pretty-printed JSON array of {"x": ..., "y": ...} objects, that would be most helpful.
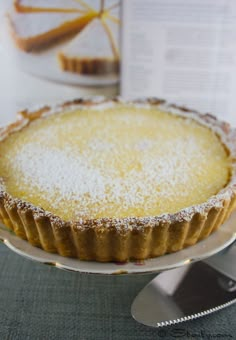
[{"x": 124, "y": 239}]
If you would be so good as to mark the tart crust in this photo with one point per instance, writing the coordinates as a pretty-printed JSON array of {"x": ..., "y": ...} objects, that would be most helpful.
[
  {"x": 124, "y": 239},
  {"x": 42, "y": 40},
  {"x": 90, "y": 64}
]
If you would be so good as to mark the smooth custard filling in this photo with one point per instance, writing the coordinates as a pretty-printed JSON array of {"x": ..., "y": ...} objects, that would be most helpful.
[{"x": 113, "y": 162}]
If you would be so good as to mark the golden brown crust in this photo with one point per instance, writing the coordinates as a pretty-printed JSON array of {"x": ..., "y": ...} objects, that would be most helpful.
[
  {"x": 19, "y": 7},
  {"x": 88, "y": 66},
  {"x": 44, "y": 40},
  {"x": 113, "y": 239},
  {"x": 92, "y": 65}
]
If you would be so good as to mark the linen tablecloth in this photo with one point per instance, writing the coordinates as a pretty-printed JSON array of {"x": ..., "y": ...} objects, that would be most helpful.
[{"x": 43, "y": 302}]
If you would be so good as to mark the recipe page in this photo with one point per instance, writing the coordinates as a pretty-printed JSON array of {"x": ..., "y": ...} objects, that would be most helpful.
[{"x": 183, "y": 51}]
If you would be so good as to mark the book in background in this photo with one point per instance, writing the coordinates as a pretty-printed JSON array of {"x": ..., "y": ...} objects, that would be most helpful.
[{"x": 183, "y": 51}]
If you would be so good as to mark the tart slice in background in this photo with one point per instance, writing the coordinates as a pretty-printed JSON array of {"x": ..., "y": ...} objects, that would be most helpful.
[
  {"x": 38, "y": 25},
  {"x": 36, "y": 30},
  {"x": 93, "y": 51}
]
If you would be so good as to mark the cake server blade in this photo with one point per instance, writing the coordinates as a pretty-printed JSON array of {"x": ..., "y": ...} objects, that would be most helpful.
[
  {"x": 183, "y": 294},
  {"x": 224, "y": 261}
]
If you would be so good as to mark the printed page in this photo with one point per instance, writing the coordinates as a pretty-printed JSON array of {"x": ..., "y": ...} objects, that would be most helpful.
[{"x": 184, "y": 51}]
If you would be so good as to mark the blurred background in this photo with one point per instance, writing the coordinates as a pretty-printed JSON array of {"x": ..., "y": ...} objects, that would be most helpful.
[
  {"x": 19, "y": 90},
  {"x": 182, "y": 51}
]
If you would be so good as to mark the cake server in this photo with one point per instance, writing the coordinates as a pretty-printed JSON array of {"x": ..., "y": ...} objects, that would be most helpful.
[{"x": 188, "y": 292}]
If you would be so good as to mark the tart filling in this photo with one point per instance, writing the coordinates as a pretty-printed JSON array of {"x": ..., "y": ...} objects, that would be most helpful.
[
  {"x": 118, "y": 162},
  {"x": 119, "y": 166}
]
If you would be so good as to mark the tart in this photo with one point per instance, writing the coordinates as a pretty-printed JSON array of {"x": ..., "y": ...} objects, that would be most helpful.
[
  {"x": 87, "y": 29},
  {"x": 36, "y": 30},
  {"x": 109, "y": 180},
  {"x": 86, "y": 54}
]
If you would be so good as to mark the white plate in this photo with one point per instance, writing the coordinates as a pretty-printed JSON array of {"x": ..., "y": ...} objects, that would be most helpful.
[
  {"x": 212, "y": 245},
  {"x": 45, "y": 65}
]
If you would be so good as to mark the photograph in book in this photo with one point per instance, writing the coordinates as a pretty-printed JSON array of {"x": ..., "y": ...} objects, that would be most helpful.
[{"x": 70, "y": 41}]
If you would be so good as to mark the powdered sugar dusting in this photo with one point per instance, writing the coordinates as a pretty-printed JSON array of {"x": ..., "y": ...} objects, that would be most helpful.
[
  {"x": 58, "y": 171},
  {"x": 104, "y": 168}
]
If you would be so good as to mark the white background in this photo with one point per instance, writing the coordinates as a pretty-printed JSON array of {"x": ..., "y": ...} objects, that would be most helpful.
[{"x": 19, "y": 90}]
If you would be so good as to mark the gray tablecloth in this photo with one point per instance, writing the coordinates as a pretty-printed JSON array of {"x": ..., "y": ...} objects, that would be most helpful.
[{"x": 42, "y": 302}]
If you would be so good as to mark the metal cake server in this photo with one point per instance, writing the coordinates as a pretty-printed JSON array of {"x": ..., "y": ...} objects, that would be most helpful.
[{"x": 188, "y": 292}]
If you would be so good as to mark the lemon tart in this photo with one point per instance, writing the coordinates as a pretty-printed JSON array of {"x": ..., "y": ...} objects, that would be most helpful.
[
  {"x": 88, "y": 55},
  {"x": 87, "y": 30},
  {"x": 33, "y": 31},
  {"x": 116, "y": 181}
]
